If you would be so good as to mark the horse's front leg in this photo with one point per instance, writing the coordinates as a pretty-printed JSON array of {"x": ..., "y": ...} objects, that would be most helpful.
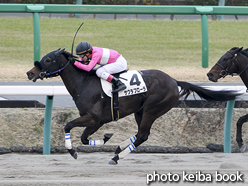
[
  {"x": 83, "y": 121},
  {"x": 239, "y": 139},
  {"x": 89, "y": 131},
  {"x": 92, "y": 125}
]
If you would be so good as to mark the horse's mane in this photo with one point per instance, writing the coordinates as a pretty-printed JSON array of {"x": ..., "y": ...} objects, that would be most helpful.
[
  {"x": 68, "y": 55},
  {"x": 245, "y": 52},
  {"x": 234, "y": 48}
]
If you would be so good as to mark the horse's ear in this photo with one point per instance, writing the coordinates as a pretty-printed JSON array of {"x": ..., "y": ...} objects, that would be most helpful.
[
  {"x": 58, "y": 52},
  {"x": 237, "y": 50},
  {"x": 240, "y": 49}
]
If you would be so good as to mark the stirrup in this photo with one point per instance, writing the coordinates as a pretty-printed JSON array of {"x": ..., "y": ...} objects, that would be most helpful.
[{"x": 120, "y": 88}]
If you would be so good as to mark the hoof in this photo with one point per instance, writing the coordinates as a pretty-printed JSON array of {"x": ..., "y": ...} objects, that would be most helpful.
[
  {"x": 73, "y": 153},
  {"x": 107, "y": 136},
  {"x": 112, "y": 162},
  {"x": 244, "y": 149}
]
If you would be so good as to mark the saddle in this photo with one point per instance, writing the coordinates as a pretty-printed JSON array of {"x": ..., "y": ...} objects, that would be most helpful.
[
  {"x": 135, "y": 85},
  {"x": 115, "y": 96}
]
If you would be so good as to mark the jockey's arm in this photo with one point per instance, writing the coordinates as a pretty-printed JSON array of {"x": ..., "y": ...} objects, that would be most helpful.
[{"x": 82, "y": 66}]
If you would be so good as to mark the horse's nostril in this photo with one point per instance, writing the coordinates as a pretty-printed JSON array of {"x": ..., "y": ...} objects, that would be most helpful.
[
  {"x": 29, "y": 73},
  {"x": 209, "y": 74}
]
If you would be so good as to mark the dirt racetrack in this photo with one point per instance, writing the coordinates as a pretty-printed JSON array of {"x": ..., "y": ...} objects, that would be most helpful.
[{"x": 92, "y": 169}]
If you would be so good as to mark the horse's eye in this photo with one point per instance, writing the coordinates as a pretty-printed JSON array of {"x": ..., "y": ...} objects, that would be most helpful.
[
  {"x": 225, "y": 59},
  {"x": 48, "y": 60}
]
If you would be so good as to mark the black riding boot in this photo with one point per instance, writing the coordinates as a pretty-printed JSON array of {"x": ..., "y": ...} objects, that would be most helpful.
[{"x": 118, "y": 85}]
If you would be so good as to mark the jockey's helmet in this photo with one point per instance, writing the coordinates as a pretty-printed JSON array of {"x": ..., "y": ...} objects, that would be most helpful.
[{"x": 83, "y": 48}]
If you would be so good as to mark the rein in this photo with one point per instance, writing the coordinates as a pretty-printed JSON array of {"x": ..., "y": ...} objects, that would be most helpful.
[{"x": 57, "y": 71}]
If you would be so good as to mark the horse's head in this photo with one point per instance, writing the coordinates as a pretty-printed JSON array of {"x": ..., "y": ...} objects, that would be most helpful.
[
  {"x": 49, "y": 66},
  {"x": 226, "y": 65}
]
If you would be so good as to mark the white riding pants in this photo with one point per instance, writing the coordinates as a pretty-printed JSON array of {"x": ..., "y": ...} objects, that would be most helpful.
[{"x": 112, "y": 68}]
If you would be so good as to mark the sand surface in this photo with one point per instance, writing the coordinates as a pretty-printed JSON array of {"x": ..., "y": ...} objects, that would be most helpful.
[
  {"x": 135, "y": 169},
  {"x": 92, "y": 169}
]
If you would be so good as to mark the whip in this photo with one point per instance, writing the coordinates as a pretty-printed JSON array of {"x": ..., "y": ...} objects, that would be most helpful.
[{"x": 75, "y": 37}]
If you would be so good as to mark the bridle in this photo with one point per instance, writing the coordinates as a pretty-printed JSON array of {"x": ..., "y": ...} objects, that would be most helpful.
[
  {"x": 225, "y": 72},
  {"x": 55, "y": 61},
  {"x": 52, "y": 74},
  {"x": 46, "y": 73}
]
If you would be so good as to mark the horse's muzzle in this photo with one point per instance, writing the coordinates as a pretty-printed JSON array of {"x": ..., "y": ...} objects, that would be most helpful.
[
  {"x": 32, "y": 76},
  {"x": 211, "y": 77}
]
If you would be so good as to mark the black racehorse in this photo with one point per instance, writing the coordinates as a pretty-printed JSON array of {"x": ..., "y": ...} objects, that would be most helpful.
[
  {"x": 233, "y": 62},
  {"x": 95, "y": 108}
]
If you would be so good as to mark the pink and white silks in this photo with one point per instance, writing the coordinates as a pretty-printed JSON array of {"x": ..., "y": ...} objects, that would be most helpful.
[{"x": 109, "y": 61}]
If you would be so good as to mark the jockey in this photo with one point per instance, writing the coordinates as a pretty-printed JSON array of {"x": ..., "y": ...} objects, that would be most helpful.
[{"x": 109, "y": 61}]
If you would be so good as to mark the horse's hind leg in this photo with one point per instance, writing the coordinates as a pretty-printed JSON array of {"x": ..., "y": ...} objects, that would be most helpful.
[
  {"x": 157, "y": 104},
  {"x": 127, "y": 142},
  {"x": 124, "y": 144},
  {"x": 142, "y": 136},
  {"x": 239, "y": 132}
]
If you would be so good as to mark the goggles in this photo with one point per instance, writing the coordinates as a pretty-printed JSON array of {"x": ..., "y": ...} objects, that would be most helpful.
[{"x": 82, "y": 55}]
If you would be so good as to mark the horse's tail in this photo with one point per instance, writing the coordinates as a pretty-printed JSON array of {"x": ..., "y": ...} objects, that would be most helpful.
[{"x": 210, "y": 95}]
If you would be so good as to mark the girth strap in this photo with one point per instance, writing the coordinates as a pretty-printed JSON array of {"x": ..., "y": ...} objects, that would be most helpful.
[
  {"x": 115, "y": 102},
  {"x": 115, "y": 106}
]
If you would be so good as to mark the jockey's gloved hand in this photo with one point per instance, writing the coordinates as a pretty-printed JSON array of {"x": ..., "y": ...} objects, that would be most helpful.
[{"x": 72, "y": 60}]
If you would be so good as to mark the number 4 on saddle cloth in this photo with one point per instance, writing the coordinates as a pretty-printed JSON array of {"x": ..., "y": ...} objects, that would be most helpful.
[{"x": 135, "y": 85}]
